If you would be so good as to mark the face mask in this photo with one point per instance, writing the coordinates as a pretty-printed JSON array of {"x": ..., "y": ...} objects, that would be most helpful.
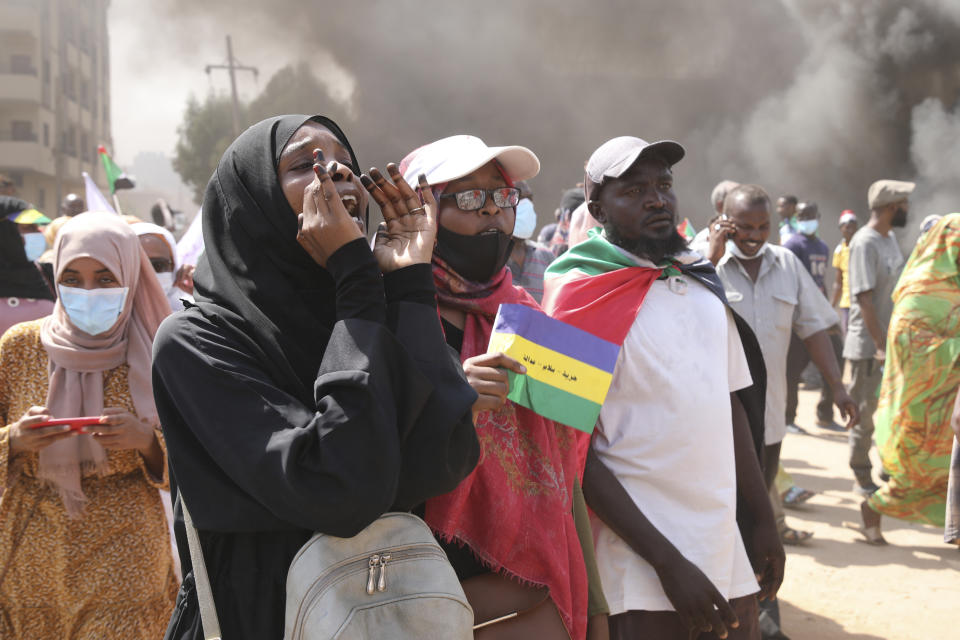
[
  {"x": 526, "y": 220},
  {"x": 807, "y": 227},
  {"x": 166, "y": 281},
  {"x": 34, "y": 244},
  {"x": 477, "y": 258},
  {"x": 93, "y": 311},
  {"x": 734, "y": 250}
]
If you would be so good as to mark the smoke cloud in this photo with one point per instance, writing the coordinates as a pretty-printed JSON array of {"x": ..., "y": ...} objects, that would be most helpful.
[{"x": 813, "y": 97}]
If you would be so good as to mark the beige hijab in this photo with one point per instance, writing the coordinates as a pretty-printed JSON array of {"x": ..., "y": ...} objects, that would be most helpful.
[{"x": 78, "y": 359}]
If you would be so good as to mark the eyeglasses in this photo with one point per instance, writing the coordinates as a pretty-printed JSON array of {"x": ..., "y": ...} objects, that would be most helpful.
[
  {"x": 474, "y": 199},
  {"x": 161, "y": 265}
]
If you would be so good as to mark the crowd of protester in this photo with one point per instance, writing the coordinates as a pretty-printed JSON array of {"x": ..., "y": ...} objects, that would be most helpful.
[{"x": 311, "y": 374}]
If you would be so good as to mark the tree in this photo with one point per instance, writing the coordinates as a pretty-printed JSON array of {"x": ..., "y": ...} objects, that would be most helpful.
[
  {"x": 207, "y": 130},
  {"x": 203, "y": 136}
]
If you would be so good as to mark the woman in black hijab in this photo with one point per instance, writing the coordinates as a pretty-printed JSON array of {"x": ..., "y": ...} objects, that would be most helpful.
[
  {"x": 24, "y": 295},
  {"x": 303, "y": 391}
]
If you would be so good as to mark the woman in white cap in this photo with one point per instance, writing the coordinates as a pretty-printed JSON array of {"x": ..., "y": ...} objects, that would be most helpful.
[{"x": 508, "y": 528}]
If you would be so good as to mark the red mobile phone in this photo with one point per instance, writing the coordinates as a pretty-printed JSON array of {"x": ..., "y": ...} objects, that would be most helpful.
[{"x": 76, "y": 424}]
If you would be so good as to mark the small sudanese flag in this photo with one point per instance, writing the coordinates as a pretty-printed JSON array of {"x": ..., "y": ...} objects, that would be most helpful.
[
  {"x": 685, "y": 229},
  {"x": 569, "y": 371}
]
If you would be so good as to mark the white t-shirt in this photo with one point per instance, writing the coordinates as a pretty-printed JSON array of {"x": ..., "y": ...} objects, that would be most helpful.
[{"x": 666, "y": 432}]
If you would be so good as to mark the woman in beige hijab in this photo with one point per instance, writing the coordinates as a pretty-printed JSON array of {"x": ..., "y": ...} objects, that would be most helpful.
[{"x": 84, "y": 549}]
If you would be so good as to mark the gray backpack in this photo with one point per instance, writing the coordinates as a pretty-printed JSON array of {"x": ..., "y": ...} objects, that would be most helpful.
[{"x": 391, "y": 580}]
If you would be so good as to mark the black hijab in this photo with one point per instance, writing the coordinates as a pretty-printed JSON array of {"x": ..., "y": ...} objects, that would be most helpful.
[
  {"x": 254, "y": 278},
  {"x": 19, "y": 278}
]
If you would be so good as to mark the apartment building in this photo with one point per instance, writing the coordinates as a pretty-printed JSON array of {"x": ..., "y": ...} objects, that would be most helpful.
[{"x": 54, "y": 96}]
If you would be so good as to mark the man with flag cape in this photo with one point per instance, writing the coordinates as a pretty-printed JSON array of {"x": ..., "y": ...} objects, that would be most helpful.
[{"x": 673, "y": 465}]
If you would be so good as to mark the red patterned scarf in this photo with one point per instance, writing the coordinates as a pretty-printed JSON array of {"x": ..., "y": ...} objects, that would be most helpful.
[{"x": 515, "y": 510}]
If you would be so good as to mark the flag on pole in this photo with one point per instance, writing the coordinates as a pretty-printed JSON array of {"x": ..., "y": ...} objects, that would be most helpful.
[
  {"x": 116, "y": 177},
  {"x": 191, "y": 243},
  {"x": 686, "y": 230},
  {"x": 94, "y": 197},
  {"x": 569, "y": 371}
]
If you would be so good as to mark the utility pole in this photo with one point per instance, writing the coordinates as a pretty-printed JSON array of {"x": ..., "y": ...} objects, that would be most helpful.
[{"x": 232, "y": 67}]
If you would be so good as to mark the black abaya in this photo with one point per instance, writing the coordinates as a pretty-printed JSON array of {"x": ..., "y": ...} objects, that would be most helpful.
[{"x": 385, "y": 422}]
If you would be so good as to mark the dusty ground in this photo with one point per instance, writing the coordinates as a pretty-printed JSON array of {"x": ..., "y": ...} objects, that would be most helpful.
[{"x": 837, "y": 587}]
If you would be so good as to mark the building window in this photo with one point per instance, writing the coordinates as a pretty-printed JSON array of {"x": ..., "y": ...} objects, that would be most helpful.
[
  {"x": 22, "y": 65},
  {"x": 41, "y": 198},
  {"x": 46, "y": 71},
  {"x": 22, "y": 131},
  {"x": 85, "y": 154},
  {"x": 46, "y": 134}
]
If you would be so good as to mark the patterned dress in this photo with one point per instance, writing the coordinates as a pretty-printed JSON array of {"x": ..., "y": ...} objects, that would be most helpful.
[
  {"x": 920, "y": 380},
  {"x": 108, "y": 574}
]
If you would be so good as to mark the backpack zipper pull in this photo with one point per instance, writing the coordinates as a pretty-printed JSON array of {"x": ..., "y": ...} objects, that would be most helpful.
[
  {"x": 382, "y": 583},
  {"x": 373, "y": 564}
]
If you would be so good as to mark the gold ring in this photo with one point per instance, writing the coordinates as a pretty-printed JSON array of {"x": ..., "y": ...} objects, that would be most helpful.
[{"x": 420, "y": 208}]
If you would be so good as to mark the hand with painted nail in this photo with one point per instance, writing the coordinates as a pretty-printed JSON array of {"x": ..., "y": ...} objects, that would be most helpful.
[
  {"x": 409, "y": 230},
  {"x": 325, "y": 225}
]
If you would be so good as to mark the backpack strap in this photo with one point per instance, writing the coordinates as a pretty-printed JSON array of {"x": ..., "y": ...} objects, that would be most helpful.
[{"x": 208, "y": 609}]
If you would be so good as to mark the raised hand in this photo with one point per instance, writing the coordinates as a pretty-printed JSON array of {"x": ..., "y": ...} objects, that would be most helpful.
[
  {"x": 409, "y": 230},
  {"x": 324, "y": 226}
]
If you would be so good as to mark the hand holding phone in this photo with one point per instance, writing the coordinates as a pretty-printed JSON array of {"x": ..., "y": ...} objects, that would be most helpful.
[{"x": 33, "y": 432}]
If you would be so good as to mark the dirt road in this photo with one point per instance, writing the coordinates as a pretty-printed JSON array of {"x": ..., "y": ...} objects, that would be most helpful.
[{"x": 837, "y": 587}]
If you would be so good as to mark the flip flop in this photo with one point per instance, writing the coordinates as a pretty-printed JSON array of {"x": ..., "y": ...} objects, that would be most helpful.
[
  {"x": 796, "y": 496},
  {"x": 871, "y": 535},
  {"x": 795, "y": 537}
]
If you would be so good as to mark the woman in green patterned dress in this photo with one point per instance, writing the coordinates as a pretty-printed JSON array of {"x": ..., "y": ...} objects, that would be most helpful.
[{"x": 920, "y": 380}]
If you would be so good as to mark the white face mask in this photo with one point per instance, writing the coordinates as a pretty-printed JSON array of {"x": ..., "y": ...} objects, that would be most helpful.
[
  {"x": 34, "y": 244},
  {"x": 734, "y": 250},
  {"x": 166, "y": 281},
  {"x": 526, "y": 219},
  {"x": 93, "y": 311}
]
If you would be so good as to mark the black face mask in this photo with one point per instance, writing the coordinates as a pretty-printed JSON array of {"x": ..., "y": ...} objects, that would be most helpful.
[
  {"x": 477, "y": 258},
  {"x": 899, "y": 218}
]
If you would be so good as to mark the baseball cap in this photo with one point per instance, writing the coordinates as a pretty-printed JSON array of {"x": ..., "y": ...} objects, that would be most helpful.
[
  {"x": 847, "y": 216},
  {"x": 884, "y": 192},
  {"x": 458, "y": 156},
  {"x": 615, "y": 156}
]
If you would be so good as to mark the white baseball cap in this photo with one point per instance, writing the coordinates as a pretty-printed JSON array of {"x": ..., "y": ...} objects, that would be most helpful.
[
  {"x": 615, "y": 156},
  {"x": 458, "y": 156}
]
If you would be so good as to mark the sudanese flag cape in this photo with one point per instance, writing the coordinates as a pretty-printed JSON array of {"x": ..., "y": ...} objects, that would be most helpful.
[{"x": 595, "y": 287}]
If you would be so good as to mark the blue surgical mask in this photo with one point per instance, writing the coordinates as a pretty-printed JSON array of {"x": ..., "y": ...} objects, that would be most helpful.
[
  {"x": 93, "y": 311},
  {"x": 807, "y": 227},
  {"x": 526, "y": 219},
  {"x": 34, "y": 244}
]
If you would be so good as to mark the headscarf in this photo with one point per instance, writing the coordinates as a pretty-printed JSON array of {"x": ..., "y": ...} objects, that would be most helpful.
[
  {"x": 78, "y": 360},
  {"x": 520, "y": 495},
  {"x": 932, "y": 267},
  {"x": 254, "y": 277},
  {"x": 174, "y": 295},
  {"x": 19, "y": 278}
]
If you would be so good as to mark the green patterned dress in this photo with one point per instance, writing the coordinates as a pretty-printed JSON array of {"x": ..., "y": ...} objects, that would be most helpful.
[{"x": 920, "y": 380}]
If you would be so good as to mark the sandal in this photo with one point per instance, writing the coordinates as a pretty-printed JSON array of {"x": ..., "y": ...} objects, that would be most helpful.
[
  {"x": 794, "y": 537},
  {"x": 871, "y": 535},
  {"x": 796, "y": 496}
]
